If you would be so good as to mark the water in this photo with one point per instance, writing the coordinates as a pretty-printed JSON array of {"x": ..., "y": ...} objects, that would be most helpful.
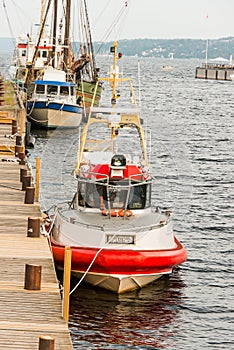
[{"x": 191, "y": 124}]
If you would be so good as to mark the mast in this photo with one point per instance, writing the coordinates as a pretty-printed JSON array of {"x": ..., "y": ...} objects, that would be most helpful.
[
  {"x": 67, "y": 33},
  {"x": 126, "y": 118},
  {"x": 42, "y": 18},
  {"x": 90, "y": 44},
  {"x": 29, "y": 70},
  {"x": 54, "y": 61},
  {"x": 115, "y": 73}
]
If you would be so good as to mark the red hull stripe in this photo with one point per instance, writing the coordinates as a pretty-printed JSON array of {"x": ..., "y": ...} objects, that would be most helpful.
[
  {"x": 126, "y": 262},
  {"x": 44, "y": 47},
  {"x": 22, "y": 46}
]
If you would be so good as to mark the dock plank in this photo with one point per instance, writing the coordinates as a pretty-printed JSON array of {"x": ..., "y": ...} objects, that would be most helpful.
[{"x": 25, "y": 314}]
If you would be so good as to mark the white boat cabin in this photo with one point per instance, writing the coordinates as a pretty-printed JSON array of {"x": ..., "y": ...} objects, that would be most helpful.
[{"x": 46, "y": 89}]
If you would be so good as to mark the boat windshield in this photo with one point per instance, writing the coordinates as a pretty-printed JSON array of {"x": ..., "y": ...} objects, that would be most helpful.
[
  {"x": 52, "y": 89},
  {"x": 40, "y": 89},
  {"x": 114, "y": 195},
  {"x": 64, "y": 90}
]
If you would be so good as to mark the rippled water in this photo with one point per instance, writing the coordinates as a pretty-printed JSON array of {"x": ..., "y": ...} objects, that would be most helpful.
[{"x": 191, "y": 122}]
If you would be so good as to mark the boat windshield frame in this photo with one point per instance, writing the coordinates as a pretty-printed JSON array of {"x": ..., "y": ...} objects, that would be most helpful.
[{"x": 99, "y": 191}]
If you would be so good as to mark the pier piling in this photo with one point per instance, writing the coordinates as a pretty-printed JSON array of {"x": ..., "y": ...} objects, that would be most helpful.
[{"x": 32, "y": 277}]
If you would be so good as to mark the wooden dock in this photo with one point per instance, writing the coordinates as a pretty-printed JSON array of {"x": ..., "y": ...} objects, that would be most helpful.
[{"x": 29, "y": 318}]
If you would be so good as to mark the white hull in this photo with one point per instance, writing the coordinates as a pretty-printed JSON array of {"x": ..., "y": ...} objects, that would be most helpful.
[
  {"x": 137, "y": 256},
  {"x": 117, "y": 283},
  {"x": 51, "y": 118}
]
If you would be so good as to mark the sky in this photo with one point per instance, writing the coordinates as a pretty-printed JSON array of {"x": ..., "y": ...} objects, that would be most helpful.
[{"x": 157, "y": 19}]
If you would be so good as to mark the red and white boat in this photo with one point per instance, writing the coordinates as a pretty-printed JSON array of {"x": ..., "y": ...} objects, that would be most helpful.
[{"x": 118, "y": 241}]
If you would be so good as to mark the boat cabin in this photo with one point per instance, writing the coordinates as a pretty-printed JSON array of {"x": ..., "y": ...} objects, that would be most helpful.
[
  {"x": 117, "y": 185},
  {"x": 54, "y": 89}
]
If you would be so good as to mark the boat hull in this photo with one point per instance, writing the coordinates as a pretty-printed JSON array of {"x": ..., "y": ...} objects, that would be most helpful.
[
  {"x": 52, "y": 115},
  {"x": 85, "y": 90},
  {"x": 120, "y": 271}
]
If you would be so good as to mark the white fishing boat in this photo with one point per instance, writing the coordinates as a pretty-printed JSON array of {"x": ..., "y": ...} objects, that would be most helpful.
[
  {"x": 51, "y": 102},
  {"x": 119, "y": 242}
]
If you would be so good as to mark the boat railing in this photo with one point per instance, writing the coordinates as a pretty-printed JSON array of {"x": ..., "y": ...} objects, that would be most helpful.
[
  {"x": 99, "y": 191},
  {"x": 97, "y": 178}
]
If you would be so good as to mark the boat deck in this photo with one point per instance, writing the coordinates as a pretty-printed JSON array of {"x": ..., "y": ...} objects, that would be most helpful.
[
  {"x": 26, "y": 315},
  {"x": 103, "y": 222}
]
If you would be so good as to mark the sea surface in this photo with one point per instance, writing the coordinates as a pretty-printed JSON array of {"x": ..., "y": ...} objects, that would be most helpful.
[{"x": 192, "y": 129}]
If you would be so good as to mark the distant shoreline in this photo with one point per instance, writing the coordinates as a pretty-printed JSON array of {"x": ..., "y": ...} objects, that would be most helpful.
[{"x": 160, "y": 48}]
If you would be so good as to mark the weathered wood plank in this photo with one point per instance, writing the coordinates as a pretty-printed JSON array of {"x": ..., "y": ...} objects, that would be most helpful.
[{"x": 25, "y": 314}]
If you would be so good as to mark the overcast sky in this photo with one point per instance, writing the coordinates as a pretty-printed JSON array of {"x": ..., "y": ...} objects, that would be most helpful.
[{"x": 169, "y": 19}]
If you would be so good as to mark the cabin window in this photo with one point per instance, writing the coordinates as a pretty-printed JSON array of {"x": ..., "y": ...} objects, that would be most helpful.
[
  {"x": 81, "y": 194},
  {"x": 44, "y": 54},
  {"x": 52, "y": 90},
  {"x": 117, "y": 197},
  {"x": 23, "y": 53},
  {"x": 148, "y": 196},
  {"x": 40, "y": 89},
  {"x": 64, "y": 90},
  {"x": 139, "y": 197},
  {"x": 72, "y": 90},
  {"x": 88, "y": 195}
]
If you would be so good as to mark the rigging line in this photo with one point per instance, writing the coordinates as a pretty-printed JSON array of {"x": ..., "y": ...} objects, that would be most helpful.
[
  {"x": 124, "y": 19},
  {"x": 114, "y": 24},
  {"x": 108, "y": 2},
  {"x": 91, "y": 264},
  {"x": 8, "y": 21},
  {"x": 39, "y": 38},
  {"x": 119, "y": 15},
  {"x": 63, "y": 8},
  {"x": 87, "y": 270}
]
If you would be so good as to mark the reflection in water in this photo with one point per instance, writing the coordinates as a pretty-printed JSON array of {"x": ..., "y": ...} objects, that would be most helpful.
[{"x": 146, "y": 319}]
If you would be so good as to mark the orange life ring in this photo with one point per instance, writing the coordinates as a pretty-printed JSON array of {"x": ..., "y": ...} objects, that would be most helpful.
[
  {"x": 115, "y": 213},
  {"x": 127, "y": 213}
]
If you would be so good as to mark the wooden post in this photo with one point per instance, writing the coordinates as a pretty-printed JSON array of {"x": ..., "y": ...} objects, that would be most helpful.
[
  {"x": 38, "y": 165},
  {"x": 66, "y": 282},
  {"x": 17, "y": 150},
  {"x": 34, "y": 227},
  {"x": 22, "y": 158},
  {"x": 46, "y": 343},
  {"x": 14, "y": 127},
  {"x": 18, "y": 140},
  {"x": 1, "y": 91},
  {"x": 29, "y": 195},
  {"x": 32, "y": 279},
  {"x": 22, "y": 121},
  {"x": 23, "y": 172},
  {"x": 26, "y": 182}
]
